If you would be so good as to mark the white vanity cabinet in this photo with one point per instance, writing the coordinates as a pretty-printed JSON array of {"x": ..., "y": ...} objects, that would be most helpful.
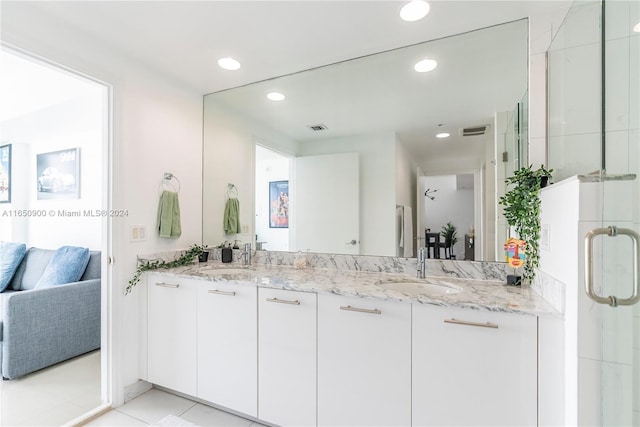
[
  {"x": 227, "y": 345},
  {"x": 171, "y": 332},
  {"x": 473, "y": 368},
  {"x": 287, "y": 357},
  {"x": 364, "y": 362}
]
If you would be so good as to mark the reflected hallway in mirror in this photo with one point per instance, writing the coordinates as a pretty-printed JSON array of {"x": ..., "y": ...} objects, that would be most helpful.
[{"x": 272, "y": 198}]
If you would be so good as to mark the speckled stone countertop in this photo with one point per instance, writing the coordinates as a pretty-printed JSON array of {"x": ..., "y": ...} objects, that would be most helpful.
[{"x": 440, "y": 291}]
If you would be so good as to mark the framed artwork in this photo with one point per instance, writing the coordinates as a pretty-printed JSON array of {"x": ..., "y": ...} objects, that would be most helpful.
[
  {"x": 58, "y": 174},
  {"x": 279, "y": 204},
  {"x": 5, "y": 173}
]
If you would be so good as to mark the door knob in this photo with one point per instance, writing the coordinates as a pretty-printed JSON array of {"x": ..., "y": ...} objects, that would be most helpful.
[{"x": 352, "y": 242}]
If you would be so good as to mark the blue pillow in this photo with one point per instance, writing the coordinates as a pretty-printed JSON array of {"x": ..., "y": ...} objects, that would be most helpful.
[
  {"x": 11, "y": 255},
  {"x": 66, "y": 266}
]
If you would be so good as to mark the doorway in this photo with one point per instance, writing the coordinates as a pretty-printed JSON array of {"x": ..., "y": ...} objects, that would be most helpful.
[
  {"x": 55, "y": 123},
  {"x": 272, "y": 200},
  {"x": 450, "y": 199}
]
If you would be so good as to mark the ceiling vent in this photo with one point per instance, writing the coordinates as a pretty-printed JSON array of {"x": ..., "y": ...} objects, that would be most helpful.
[
  {"x": 474, "y": 130},
  {"x": 317, "y": 128}
]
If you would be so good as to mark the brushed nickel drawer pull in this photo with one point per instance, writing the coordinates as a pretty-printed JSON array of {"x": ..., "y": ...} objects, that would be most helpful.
[
  {"x": 464, "y": 322},
  {"x": 167, "y": 285},
  {"x": 360, "y": 310},
  {"x": 283, "y": 301},
  {"x": 216, "y": 291}
]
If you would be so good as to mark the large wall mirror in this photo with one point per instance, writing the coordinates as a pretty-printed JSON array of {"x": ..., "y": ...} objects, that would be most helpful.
[{"x": 350, "y": 160}]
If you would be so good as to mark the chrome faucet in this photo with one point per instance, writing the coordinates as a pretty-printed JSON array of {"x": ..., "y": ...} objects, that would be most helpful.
[
  {"x": 246, "y": 253},
  {"x": 421, "y": 261}
]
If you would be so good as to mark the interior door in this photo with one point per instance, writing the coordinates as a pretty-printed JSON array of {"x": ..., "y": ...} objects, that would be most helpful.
[{"x": 326, "y": 205}]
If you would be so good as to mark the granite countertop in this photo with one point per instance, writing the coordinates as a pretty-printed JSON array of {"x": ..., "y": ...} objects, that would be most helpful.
[{"x": 440, "y": 291}]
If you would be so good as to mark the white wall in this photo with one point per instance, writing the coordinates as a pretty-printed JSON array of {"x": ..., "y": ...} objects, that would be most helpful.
[
  {"x": 377, "y": 186},
  {"x": 157, "y": 124},
  {"x": 73, "y": 124},
  {"x": 229, "y": 157}
]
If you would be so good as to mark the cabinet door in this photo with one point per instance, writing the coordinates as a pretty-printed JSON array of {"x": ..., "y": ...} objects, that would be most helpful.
[
  {"x": 473, "y": 368},
  {"x": 171, "y": 332},
  {"x": 287, "y": 357},
  {"x": 227, "y": 345},
  {"x": 364, "y": 362}
]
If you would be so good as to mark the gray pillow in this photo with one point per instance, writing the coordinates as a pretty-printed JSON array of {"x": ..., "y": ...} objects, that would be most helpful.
[{"x": 11, "y": 255}]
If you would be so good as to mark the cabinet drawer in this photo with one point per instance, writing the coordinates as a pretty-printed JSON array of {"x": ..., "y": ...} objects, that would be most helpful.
[
  {"x": 227, "y": 345},
  {"x": 364, "y": 361},
  {"x": 171, "y": 331},
  {"x": 484, "y": 362},
  {"x": 287, "y": 357}
]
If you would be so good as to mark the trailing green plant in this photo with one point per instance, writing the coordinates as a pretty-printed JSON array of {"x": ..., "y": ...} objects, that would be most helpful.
[
  {"x": 522, "y": 211},
  {"x": 186, "y": 258}
]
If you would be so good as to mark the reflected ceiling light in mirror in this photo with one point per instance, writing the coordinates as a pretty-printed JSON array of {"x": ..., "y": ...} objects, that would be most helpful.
[
  {"x": 415, "y": 10},
  {"x": 228, "y": 64},
  {"x": 275, "y": 96},
  {"x": 637, "y": 28},
  {"x": 425, "y": 65},
  {"x": 443, "y": 135}
]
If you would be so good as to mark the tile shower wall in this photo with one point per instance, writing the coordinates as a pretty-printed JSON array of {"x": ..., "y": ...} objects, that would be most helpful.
[{"x": 574, "y": 93}]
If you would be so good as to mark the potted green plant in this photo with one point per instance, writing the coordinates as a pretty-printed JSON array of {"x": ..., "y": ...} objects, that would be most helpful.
[
  {"x": 522, "y": 211},
  {"x": 186, "y": 258},
  {"x": 449, "y": 232}
]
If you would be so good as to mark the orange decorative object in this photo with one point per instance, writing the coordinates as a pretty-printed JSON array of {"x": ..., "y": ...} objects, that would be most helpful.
[{"x": 515, "y": 252}]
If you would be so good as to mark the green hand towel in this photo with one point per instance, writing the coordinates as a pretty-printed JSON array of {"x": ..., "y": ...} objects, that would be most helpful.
[
  {"x": 231, "y": 220},
  {"x": 169, "y": 215}
]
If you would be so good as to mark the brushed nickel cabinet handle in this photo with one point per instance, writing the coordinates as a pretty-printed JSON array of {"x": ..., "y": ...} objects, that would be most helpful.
[
  {"x": 360, "y": 310},
  {"x": 219, "y": 292},
  {"x": 284, "y": 301},
  {"x": 464, "y": 322},
  {"x": 167, "y": 285}
]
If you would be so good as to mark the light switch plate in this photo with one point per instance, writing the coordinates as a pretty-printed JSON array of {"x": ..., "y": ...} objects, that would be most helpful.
[{"x": 138, "y": 233}]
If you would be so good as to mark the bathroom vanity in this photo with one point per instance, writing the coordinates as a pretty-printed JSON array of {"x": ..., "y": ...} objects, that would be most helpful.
[{"x": 343, "y": 347}]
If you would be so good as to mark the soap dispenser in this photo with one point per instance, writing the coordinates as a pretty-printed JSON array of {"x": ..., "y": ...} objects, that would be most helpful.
[{"x": 227, "y": 254}]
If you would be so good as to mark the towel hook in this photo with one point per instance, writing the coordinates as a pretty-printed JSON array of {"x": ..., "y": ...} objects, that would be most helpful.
[{"x": 169, "y": 184}]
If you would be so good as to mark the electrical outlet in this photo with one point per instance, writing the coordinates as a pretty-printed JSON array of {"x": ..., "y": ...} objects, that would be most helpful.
[{"x": 245, "y": 229}]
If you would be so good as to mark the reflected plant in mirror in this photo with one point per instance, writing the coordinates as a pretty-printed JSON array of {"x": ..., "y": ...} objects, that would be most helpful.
[{"x": 357, "y": 140}]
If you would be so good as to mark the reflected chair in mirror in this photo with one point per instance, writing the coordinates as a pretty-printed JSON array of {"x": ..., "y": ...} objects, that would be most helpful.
[
  {"x": 432, "y": 243},
  {"x": 446, "y": 245}
]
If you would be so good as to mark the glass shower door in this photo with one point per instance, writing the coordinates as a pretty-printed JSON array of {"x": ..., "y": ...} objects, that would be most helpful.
[
  {"x": 621, "y": 209},
  {"x": 615, "y": 295}
]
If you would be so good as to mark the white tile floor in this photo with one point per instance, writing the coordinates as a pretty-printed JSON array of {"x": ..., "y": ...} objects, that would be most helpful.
[
  {"x": 52, "y": 396},
  {"x": 154, "y": 405}
]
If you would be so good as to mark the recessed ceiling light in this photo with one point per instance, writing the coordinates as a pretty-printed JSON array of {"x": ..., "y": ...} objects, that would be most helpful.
[
  {"x": 637, "y": 28},
  {"x": 425, "y": 65},
  {"x": 275, "y": 96},
  {"x": 228, "y": 64},
  {"x": 414, "y": 10},
  {"x": 443, "y": 135}
]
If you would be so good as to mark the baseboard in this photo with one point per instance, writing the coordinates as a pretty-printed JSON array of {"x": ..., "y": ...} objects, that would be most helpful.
[{"x": 136, "y": 389}]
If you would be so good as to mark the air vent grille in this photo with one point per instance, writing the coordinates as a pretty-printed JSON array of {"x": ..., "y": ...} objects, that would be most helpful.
[
  {"x": 473, "y": 130},
  {"x": 317, "y": 128}
]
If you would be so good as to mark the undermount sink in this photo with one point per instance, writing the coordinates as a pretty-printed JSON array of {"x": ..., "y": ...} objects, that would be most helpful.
[{"x": 418, "y": 287}]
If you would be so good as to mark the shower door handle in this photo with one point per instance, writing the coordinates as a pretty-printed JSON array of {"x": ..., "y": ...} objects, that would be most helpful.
[{"x": 611, "y": 300}]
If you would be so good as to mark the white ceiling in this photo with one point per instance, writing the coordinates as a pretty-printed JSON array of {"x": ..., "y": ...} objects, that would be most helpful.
[{"x": 183, "y": 39}]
